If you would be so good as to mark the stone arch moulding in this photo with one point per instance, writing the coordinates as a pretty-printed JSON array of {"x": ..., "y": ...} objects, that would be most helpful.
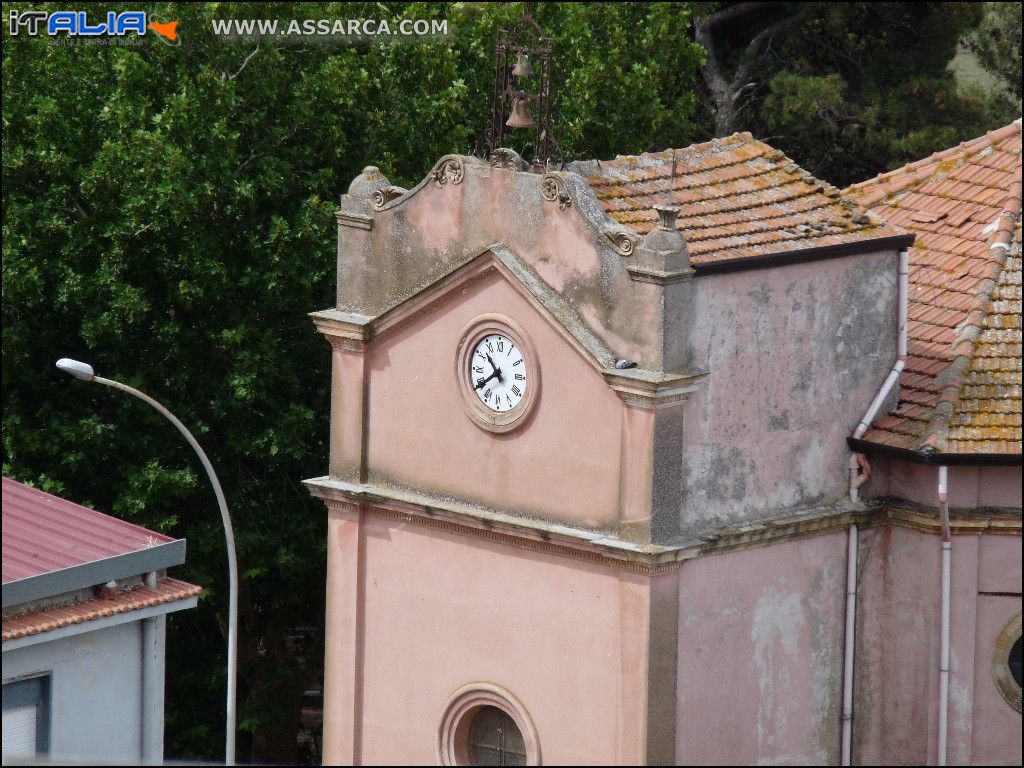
[
  {"x": 458, "y": 712},
  {"x": 1007, "y": 686}
]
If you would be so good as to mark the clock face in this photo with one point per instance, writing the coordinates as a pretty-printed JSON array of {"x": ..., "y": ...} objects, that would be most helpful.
[{"x": 497, "y": 373}]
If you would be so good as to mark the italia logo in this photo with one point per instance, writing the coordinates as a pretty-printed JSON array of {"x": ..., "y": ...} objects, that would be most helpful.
[{"x": 79, "y": 24}]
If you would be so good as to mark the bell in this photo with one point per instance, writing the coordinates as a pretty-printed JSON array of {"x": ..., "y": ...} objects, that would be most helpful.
[
  {"x": 520, "y": 117},
  {"x": 523, "y": 67}
]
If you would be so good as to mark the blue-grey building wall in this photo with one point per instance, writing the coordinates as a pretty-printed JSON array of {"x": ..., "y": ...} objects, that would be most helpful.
[{"x": 95, "y": 691}]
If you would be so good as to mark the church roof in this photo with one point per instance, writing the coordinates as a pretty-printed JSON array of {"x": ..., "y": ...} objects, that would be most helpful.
[
  {"x": 960, "y": 392},
  {"x": 738, "y": 196}
]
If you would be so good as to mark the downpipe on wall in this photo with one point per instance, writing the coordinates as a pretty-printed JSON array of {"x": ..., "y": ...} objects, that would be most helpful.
[
  {"x": 947, "y": 557},
  {"x": 860, "y": 471},
  {"x": 848, "y": 649}
]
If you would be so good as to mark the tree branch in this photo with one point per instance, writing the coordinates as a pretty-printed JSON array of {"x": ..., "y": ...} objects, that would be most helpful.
[
  {"x": 734, "y": 12},
  {"x": 711, "y": 71},
  {"x": 761, "y": 41},
  {"x": 245, "y": 63},
  {"x": 729, "y": 95}
]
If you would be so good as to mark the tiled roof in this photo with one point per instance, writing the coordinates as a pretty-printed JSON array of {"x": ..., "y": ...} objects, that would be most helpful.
[
  {"x": 960, "y": 392},
  {"x": 738, "y": 197},
  {"x": 166, "y": 591}
]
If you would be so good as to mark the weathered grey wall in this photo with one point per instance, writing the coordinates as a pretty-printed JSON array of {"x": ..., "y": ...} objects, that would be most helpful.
[
  {"x": 95, "y": 692},
  {"x": 795, "y": 354}
]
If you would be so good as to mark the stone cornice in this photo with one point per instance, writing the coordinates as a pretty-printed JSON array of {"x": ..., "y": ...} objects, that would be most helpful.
[
  {"x": 649, "y": 389},
  {"x": 659, "y": 276},
  {"x": 605, "y": 547},
  {"x": 353, "y": 220},
  {"x": 479, "y": 522},
  {"x": 343, "y": 329}
]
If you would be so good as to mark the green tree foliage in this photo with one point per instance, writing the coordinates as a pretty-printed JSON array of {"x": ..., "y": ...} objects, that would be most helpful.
[
  {"x": 168, "y": 218},
  {"x": 849, "y": 89},
  {"x": 997, "y": 44}
]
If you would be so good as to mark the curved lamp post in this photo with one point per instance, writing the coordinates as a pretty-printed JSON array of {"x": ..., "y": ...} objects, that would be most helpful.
[{"x": 84, "y": 372}]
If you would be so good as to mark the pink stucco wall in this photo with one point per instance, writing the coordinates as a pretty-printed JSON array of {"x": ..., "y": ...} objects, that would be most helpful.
[
  {"x": 563, "y": 464},
  {"x": 969, "y": 487},
  {"x": 439, "y": 611},
  {"x": 760, "y": 655},
  {"x": 996, "y": 727},
  {"x": 896, "y": 694}
]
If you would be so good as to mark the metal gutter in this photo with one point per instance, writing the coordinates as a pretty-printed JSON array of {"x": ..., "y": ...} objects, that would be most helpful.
[
  {"x": 95, "y": 572},
  {"x": 937, "y": 459}
]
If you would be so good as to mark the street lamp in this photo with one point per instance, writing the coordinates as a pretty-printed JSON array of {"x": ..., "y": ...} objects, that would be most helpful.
[{"x": 85, "y": 372}]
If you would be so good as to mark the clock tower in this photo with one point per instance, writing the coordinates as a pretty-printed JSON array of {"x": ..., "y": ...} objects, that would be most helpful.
[{"x": 551, "y": 393}]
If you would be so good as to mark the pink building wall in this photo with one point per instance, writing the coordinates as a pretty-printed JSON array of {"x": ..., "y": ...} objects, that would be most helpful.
[
  {"x": 433, "y": 610},
  {"x": 969, "y": 487},
  {"x": 760, "y": 655},
  {"x": 563, "y": 465},
  {"x": 897, "y": 688},
  {"x": 795, "y": 354}
]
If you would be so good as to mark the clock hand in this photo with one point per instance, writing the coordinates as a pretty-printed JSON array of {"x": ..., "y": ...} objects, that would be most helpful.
[
  {"x": 481, "y": 382},
  {"x": 497, "y": 370}
]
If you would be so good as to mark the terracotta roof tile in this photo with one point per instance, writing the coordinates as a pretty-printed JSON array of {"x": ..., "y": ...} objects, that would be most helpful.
[
  {"x": 961, "y": 389},
  {"x": 739, "y": 198},
  {"x": 166, "y": 591}
]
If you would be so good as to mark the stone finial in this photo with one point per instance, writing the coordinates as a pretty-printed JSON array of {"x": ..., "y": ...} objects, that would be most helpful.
[
  {"x": 668, "y": 215},
  {"x": 357, "y": 205},
  {"x": 366, "y": 183},
  {"x": 662, "y": 256},
  {"x": 362, "y": 189}
]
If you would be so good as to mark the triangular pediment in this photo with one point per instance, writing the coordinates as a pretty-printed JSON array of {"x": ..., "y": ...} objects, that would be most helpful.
[{"x": 496, "y": 258}]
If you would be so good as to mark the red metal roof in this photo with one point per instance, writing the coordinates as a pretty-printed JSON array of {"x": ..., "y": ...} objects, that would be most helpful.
[
  {"x": 43, "y": 533},
  {"x": 738, "y": 198},
  {"x": 961, "y": 390}
]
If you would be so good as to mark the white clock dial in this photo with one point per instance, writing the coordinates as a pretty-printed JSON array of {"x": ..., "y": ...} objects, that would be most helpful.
[{"x": 497, "y": 372}]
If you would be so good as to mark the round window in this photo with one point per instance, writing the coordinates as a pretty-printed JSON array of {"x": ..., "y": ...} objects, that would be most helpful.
[
  {"x": 1006, "y": 665},
  {"x": 1014, "y": 662},
  {"x": 494, "y": 739},
  {"x": 485, "y": 725}
]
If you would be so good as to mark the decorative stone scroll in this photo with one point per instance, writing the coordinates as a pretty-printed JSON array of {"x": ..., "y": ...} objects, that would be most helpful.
[
  {"x": 624, "y": 243},
  {"x": 553, "y": 188},
  {"x": 449, "y": 171},
  {"x": 384, "y": 196}
]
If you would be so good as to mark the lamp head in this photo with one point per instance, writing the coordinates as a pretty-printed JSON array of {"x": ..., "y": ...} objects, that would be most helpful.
[{"x": 79, "y": 370}]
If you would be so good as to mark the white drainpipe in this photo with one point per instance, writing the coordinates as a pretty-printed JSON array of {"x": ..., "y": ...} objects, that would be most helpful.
[
  {"x": 851, "y": 620},
  {"x": 947, "y": 556},
  {"x": 857, "y": 479}
]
